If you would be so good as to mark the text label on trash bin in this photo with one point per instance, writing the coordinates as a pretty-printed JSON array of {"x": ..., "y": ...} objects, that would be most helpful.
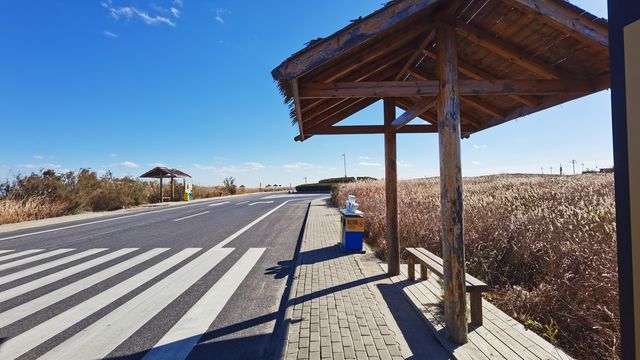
[{"x": 355, "y": 224}]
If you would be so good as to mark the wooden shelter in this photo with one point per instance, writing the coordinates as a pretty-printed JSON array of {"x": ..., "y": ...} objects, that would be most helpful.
[
  {"x": 161, "y": 172},
  {"x": 462, "y": 66}
]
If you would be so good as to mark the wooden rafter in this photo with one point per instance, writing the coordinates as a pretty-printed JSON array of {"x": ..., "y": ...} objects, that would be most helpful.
[
  {"x": 564, "y": 19},
  {"x": 352, "y": 108},
  {"x": 411, "y": 61},
  {"x": 418, "y": 108},
  {"x": 509, "y": 52}
]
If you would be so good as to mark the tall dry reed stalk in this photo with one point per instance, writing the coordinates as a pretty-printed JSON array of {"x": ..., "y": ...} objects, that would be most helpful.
[{"x": 545, "y": 244}]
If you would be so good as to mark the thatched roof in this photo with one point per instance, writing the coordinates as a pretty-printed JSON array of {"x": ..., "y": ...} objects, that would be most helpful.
[
  {"x": 164, "y": 172},
  {"x": 533, "y": 40}
]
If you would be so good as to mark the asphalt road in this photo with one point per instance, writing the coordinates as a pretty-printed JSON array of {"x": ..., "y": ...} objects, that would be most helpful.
[{"x": 201, "y": 281}]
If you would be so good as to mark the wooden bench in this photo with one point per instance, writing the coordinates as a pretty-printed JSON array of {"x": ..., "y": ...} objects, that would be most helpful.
[{"x": 430, "y": 261}]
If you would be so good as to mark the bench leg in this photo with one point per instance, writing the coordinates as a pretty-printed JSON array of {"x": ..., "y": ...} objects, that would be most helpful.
[
  {"x": 476, "y": 308},
  {"x": 424, "y": 272},
  {"x": 411, "y": 262}
]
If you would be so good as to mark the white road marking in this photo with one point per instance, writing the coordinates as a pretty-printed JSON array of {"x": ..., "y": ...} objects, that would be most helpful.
[
  {"x": 5, "y": 251},
  {"x": 100, "y": 221},
  {"x": 36, "y": 269},
  {"x": 190, "y": 216},
  {"x": 14, "y": 314},
  {"x": 242, "y": 203},
  {"x": 100, "y": 338},
  {"x": 261, "y": 202},
  {"x": 289, "y": 196},
  {"x": 218, "y": 204},
  {"x": 184, "y": 335},
  {"x": 239, "y": 232},
  {"x": 33, "y": 258},
  {"x": 43, "y": 281},
  {"x": 18, "y": 254}
]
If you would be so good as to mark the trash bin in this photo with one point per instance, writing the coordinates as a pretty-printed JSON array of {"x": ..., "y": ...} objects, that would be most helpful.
[{"x": 352, "y": 227}]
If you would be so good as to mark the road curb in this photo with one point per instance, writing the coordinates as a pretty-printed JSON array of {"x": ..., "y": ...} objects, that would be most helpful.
[{"x": 292, "y": 283}]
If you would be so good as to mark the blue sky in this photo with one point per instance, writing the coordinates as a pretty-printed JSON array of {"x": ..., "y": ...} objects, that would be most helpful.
[{"x": 123, "y": 85}]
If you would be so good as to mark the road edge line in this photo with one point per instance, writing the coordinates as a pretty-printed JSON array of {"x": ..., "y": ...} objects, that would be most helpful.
[{"x": 282, "y": 325}]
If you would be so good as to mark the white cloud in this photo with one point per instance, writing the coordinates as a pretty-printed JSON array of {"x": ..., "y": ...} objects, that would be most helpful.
[
  {"x": 298, "y": 166},
  {"x": 404, "y": 164},
  {"x": 178, "y": 3},
  {"x": 131, "y": 12},
  {"x": 113, "y": 155},
  {"x": 474, "y": 162},
  {"x": 175, "y": 12},
  {"x": 219, "y": 15},
  {"x": 110, "y": 34},
  {"x": 254, "y": 165},
  {"x": 364, "y": 158},
  {"x": 476, "y": 146},
  {"x": 369, "y": 164},
  {"x": 38, "y": 157},
  {"x": 39, "y": 166},
  {"x": 129, "y": 164}
]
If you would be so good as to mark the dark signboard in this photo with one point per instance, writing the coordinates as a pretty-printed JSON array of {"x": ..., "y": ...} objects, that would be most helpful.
[{"x": 624, "y": 43}]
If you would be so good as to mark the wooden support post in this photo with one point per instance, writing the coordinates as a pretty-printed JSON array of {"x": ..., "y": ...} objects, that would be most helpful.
[
  {"x": 391, "y": 188},
  {"x": 476, "y": 308},
  {"x": 455, "y": 297},
  {"x": 424, "y": 272},
  {"x": 161, "y": 193},
  {"x": 173, "y": 189},
  {"x": 411, "y": 265}
]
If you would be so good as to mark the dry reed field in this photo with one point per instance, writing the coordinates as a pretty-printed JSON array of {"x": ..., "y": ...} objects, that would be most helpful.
[{"x": 545, "y": 244}]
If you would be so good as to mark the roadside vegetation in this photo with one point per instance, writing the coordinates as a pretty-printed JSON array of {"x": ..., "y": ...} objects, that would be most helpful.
[
  {"x": 545, "y": 244},
  {"x": 49, "y": 194}
]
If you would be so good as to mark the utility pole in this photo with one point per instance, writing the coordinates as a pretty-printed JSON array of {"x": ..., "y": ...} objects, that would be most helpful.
[
  {"x": 542, "y": 170},
  {"x": 260, "y": 186},
  {"x": 573, "y": 162},
  {"x": 582, "y": 167},
  {"x": 344, "y": 156},
  {"x": 551, "y": 170},
  {"x": 305, "y": 179},
  {"x": 560, "y": 169}
]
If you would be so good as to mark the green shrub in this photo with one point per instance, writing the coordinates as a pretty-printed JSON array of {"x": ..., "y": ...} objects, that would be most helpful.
[{"x": 316, "y": 187}]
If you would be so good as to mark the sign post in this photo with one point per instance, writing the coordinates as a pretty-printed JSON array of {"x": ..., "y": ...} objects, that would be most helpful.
[{"x": 624, "y": 44}]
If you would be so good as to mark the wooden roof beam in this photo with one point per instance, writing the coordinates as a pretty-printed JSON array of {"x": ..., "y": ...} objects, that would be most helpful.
[
  {"x": 377, "y": 89},
  {"x": 477, "y": 73},
  {"x": 564, "y": 19},
  {"x": 509, "y": 52},
  {"x": 344, "y": 113},
  {"x": 418, "y": 108},
  {"x": 380, "y": 89}
]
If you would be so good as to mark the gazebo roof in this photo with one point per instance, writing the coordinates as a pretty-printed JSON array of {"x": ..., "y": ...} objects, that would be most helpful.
[
  {"x": 515, "y": 57},
  {"x": 164, "y": 172}
]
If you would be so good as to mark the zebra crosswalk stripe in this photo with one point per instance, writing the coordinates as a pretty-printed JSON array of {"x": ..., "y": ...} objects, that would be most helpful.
[
  {"x": 184, "y": 335},
  {"x": 19, "y": 254},
  {"x": 14, "y": 314},
  {"x": 46, "y": 266},
  {"x": 34, "y": 258},
  {"x": 46, "y": 280},
  {"x": 31, "y": 338},
  {"x": 5, "y": 251},
  {"x": 104, "y": 335}
]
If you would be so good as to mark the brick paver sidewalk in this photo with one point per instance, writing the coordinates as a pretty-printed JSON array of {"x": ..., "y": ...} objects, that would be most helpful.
[{"x": 332, "y": 311}]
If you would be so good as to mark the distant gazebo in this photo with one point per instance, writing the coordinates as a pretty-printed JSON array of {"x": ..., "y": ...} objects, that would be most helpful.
[{"x": 161, "y": 172}]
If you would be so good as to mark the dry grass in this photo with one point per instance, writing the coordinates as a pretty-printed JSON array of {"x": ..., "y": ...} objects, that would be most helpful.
[
  {"x": 546, "y": 244},
  {"x": 12, "y": 211}
]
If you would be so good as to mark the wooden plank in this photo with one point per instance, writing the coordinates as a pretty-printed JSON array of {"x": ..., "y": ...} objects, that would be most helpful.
[
  {"x": 455, "y": 299},
  {"x": 411, "y": 61},
  {"x": 412, "y": 268},
  {"x": 376, "y": 89},
  {"x": 563, "y": 18},
  {"x": 509, "y": 52},
  {"x": 296, "y": 104},
  {"x": 391, "y": 188},
  {"x": 418, "y": 108},
  {"x": 350, "y": 37}
]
